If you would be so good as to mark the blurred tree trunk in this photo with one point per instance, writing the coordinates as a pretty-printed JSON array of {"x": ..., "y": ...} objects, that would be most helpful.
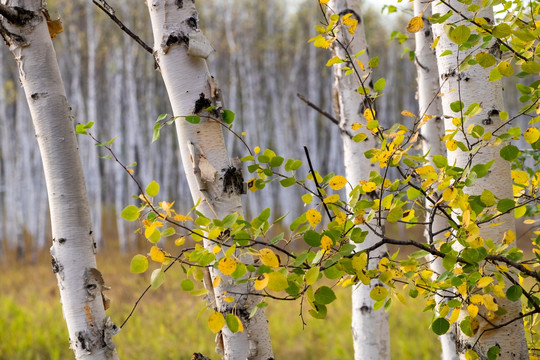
[
  {"x": 370, "y": 328},
  {"x": 432, "y": 132},
  {"x": 470, "y": 86},
  {"x": 24, "y": 28},
  {"x": 191, "y": 89}
]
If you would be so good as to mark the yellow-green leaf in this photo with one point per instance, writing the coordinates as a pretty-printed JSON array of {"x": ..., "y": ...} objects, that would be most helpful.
[
  {"x": 268, "y": 258},
  {"x": 277, "y": 281},
  {"x": 216, "y": 321}
]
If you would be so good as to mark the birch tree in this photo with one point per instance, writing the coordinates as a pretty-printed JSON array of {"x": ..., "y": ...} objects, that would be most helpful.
[
  {"x": 181, "y": 50},
  {"x": 432, "y": 133},
  {"x": 24, "y": 27},
  {"x": 463, "y": 86},
  {"x": 369, "y": 327}
]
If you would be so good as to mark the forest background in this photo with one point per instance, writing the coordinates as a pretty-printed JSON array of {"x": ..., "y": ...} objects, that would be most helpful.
[{"x": 262, "y": 61}]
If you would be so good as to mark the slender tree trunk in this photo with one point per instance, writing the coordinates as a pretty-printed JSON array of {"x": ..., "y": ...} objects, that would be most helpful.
[
  {"x": 73, "y": 249},
  {"x": 189, "y": 85},
  {"x": 369, "y": 327},
  {"x": 432, "y": 132},
  {"x": 470, "y": 86}
]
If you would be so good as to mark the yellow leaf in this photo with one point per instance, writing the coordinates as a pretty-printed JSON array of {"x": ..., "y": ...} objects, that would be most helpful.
[
  {"x": 227, "y": 266},
  {"x": 509, "y": 237},
  {"x": 454, "y": 316},
  {"x": 257, "y": 150},
  {"x": 313, "y": 217},
  {"x": 472, "y": 310},
  {"x": 180, "y": 241},
  {"x": 216, "y": 281},
  {"x": 326, "y": 242},
  {"x": 466, "y": 218},
  {"x": 341, "y": 217},
  {"x": 361, "y": 65},
  {"x": 251, "y": 185},
  {"x": 498, "y": 291},
  {"x": 426, "y": 274},
  {"x": 331, "y": 199},
  {"x": 167, "y": 207},
  {"x": 216, "y": 249},
  {"x": 407, "y": 113},
  {"x": 359, "y": 262},
  {"x": 229, "y": 299},
  {"x": 334, "y": 60},
  {"x": 368, "y": 186},
  {"x": 427, "y": 169},
  {"x": 485, "y": 281},
  {"x": 337, "y": 182},
  {"x": 156, "y": 254},
  {"x": 531, "y": 135},
  {"x": 451, "y": 145},
  {"x": 355, "y": 126},
  {"x": 324, "y": 1},
  {"x": 449, "y": 194},
  {"x": 180, "y": 217},
  {"x": 477, "y": 299},
  {"x": 415, "y": 24},
  {"x": 490, "y": 303},
  {"x": 350, "y": 22},
  {"x": 261, "y": 282},
  {"x": 268, "y": 258},
  {"x": 520, "y": 177},
  {"x": 369, "y": 114},
  {"x": 216, "y": 321}
]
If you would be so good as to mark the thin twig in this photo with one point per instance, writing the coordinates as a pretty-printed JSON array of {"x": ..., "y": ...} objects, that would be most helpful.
[
  {"x": 107, "y": 9},
  {"x": 317, "y": 183}
]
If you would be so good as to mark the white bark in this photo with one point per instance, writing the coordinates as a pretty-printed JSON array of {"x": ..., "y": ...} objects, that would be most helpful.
[
  {"x": 73, "y": 249},
  {"x": 432, "y": 133},
  {"x": 370, "y": 328},
  {"x": 472, "y": 85},
  {"x": 202, "y": 148}
]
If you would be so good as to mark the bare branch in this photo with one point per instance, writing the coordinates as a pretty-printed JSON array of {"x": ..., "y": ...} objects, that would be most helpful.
[{"x": 107, "y": 9}]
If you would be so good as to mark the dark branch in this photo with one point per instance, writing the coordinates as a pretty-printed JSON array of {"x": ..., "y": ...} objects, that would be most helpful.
[
  {"x": 324, "y": 113},
  {"x": 317, "y": 183},
  {"x": 107, "y": 9}
]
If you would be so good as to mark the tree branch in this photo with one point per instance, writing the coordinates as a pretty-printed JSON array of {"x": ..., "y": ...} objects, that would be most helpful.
[
  {"x": 317, "y": 183},
  {"x": 107, "y": 9}
]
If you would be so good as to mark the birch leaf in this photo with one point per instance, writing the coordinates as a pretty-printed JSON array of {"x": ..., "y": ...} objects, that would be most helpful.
[
  {"x": 277, "y": 281},
  {"x": 157, "y": 255},
  {"x": 337, "y": 182},
  {"x": 130, "y": 213},
  {"x": 227, "y": 266},
  {"x": 313, "y": 217},
  {"x": 531, "y": 135},
  {"x": 261, "y": 282},
  {"x": 415, "y": 24},
  {"x": 152, "y": 189},
  {"x": 216, "y": 321},
  {"x": 139, "y": 264},
  {"x": 268, "y": 258}
]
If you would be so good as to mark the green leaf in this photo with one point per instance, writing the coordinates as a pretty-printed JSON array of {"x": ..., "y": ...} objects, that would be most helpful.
[
  {"x": 319, "y": 312},
  {"x": 359, "y": 137},
  {"x": 232, "y": 322},
  {"x": 502, "y": 30},
  {"x": 157, "y": 278},
  {"x": 187, "y": 285},
  {"x": 440, "y": 326},
  {"x": 312, "y": 275},
  {"x": 505, "y": 204},
  {"x": 485, "y": 59},
  {"x": 378, "y": 293},
  {"x": 130, "y": 213},
  {"x": 139, "y": 264},
  {"x": 152, "y": 189},
  {"x": 288, "y": 182},
  {"x": 465, "y": 326},
  {"x": 394, "y": 215},
  {"x": 156, "y": 135},
  {"x": 379, "y": 85},
  {"x": 168, "y": 232},
  {"x": 493, "y": 352},
  {"x": 193, "y": 119},
  {"x": 459, "y": 34},
  {"x": 509, "y": 152},
  {"x": 494, "y": 74},
  {"x": 514, "y": 292},
  {"x": 227, "y": 116},
  {"x": 276, "y": 161},
  {"x": 457, "y": 106},
  {"x": 324, "y": 295},
  {"x": 312, "y": 238}
]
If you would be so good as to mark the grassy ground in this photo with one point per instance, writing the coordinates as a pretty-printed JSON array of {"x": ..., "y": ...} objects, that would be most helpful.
[{"x": 165, "y": 325}]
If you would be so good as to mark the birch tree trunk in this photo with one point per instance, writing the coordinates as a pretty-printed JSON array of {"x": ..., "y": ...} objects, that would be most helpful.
[
  {"x": 24, "y": 29},
  {"x": 429, "y": 104},
  {"x": 369, "y": 327},
  {"x": 470, "y": 86},
  {"x": 191, "y": 89}
]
